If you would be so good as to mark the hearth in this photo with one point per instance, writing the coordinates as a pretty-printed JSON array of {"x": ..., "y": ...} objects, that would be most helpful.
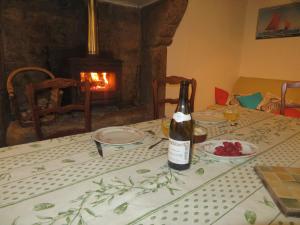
[{"x": 103, "y": 72}]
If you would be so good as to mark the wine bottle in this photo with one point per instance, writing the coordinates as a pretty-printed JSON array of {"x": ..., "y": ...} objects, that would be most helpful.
[{"x": 181, "y": 132}]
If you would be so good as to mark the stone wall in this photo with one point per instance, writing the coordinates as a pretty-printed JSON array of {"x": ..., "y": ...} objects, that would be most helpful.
[
  {"x": 159, "y": 24},
  {"x": 120, "y": 35},
  {"x": 43, "y": 33},
  {"x": 2, "y": 89}
]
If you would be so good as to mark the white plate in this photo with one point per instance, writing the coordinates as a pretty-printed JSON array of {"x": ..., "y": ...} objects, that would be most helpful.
[
  {"x": 118, "y": 135},
  {"x": 209, "y": 117},
  {"x": 248, "y": 149}
]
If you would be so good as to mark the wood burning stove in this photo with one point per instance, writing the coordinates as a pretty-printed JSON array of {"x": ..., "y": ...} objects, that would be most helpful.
[
  {"x": 104, "y": 75},
  {"x": 102, "y": 71}
]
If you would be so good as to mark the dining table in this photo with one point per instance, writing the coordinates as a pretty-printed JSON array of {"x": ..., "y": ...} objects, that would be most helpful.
[{"x": 65, "y": 181}]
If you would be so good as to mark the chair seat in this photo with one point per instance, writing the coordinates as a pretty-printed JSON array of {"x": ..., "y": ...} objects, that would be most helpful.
[{"x": 17, "y": 134}]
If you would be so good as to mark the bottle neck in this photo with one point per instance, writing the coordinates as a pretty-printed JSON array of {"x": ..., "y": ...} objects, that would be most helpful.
[
  {"x": 183, "y": 105},
  {"x": 183, "y": 94}
]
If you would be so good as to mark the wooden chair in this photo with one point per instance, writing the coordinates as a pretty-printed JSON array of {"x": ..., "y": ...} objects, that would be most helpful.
[
  {"x": 20, "y": 129},
  {"x": 19, "y": 102},
  {"x": 285, "y": 86},
  {"x": 159, "y": 102},
  {"x": 68, "y": 121}
]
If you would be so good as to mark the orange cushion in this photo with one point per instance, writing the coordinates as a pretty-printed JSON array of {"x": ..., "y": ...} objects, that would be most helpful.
[{"x": 221, "y": 96}]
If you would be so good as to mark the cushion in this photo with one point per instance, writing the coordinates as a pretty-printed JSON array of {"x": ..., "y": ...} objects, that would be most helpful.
[
  {"x": 251, "y": 85},
  {"x": 221, "y": 96},
  {"x": 290, "y": 112},
  {"x": 250, "y": 101}
]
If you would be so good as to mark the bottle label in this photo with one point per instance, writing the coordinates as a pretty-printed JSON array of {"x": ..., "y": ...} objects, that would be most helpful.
[
  {"x": 179, "y": 151},
  {"x": 180, "y": 117}
]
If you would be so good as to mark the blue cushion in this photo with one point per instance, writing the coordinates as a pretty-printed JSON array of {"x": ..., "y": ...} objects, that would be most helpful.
[{"x": 250, "y": 101}]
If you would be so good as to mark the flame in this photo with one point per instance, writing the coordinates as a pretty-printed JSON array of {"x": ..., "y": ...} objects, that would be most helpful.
[
  {"x": 105, "y": 78},
  {"x": 100, "y": 81},
  {"x": 95, "y": 76},
  {"x": 82, "y": 76}
]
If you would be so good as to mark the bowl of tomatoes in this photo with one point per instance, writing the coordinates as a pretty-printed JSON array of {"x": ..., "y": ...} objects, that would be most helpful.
[{"x": 229, "y": 149}]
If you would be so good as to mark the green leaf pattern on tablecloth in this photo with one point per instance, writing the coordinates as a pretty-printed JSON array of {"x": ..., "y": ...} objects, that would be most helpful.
[
  {"x": 267, "y": 202},
  {"x": 142, "y": 171},
  {"x": 204, "y": 158},
  {"x": 121, "y": 208},
  {"x": 108, "y": 192},
  {"x": 15, "y": 221},
  {"x": 90, "y": 212},
  {"x": 43, "y": 206},
  {"x": 200, "y": 171},
  {"x": 250, "y": 217}
]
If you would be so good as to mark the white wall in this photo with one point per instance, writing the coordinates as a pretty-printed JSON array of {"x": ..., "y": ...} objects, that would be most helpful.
[
  {"x": 268, "y": 58},
  {"x": 207, "y": 47}
]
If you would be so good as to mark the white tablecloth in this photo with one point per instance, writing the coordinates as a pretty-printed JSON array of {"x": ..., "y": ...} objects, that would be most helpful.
[{"x": 65, "y": 181}]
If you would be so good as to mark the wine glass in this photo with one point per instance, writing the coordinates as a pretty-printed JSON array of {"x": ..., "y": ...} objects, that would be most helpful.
[
  {"x": 165, "y": 126},
  {"x": 231, "y": 114},
  {"x": 199, "y": 134}
]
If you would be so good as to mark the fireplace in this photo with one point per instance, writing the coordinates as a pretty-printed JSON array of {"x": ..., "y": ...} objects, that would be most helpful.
[
  {"x": 103, "y": 72},
  {"x": 104, "y": 75},
  {"x": 55, "y": 32}
]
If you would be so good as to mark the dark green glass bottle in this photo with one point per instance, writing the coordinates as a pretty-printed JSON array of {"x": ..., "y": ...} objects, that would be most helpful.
[{"x": 181, "y": 132}]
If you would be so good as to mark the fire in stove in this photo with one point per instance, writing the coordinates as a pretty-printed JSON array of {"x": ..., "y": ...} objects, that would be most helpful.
[{"x": 100, "y": 81}]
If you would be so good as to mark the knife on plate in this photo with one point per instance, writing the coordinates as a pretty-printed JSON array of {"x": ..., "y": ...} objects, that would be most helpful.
[{"x": 99, "y": 148}]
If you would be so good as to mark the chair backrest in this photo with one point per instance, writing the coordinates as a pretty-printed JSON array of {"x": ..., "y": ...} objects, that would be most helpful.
[
  {"x": 158, "y": 102},
  {"x": 78, "y": 89},
  {"x": 285, "y": 86},
  {"x": 19, "y": 101}
]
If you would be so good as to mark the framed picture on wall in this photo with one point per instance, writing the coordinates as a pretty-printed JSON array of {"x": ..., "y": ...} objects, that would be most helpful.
[{"x": 279, "y": 21}]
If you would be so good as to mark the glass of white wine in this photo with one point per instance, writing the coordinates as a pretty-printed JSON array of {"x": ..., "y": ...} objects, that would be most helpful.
[
  {"x": 165, "y": 126},
  {"x": 231, "y": 114}
]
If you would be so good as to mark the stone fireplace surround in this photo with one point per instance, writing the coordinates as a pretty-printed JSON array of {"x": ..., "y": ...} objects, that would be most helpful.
[{"x": 48, "y": 33}]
